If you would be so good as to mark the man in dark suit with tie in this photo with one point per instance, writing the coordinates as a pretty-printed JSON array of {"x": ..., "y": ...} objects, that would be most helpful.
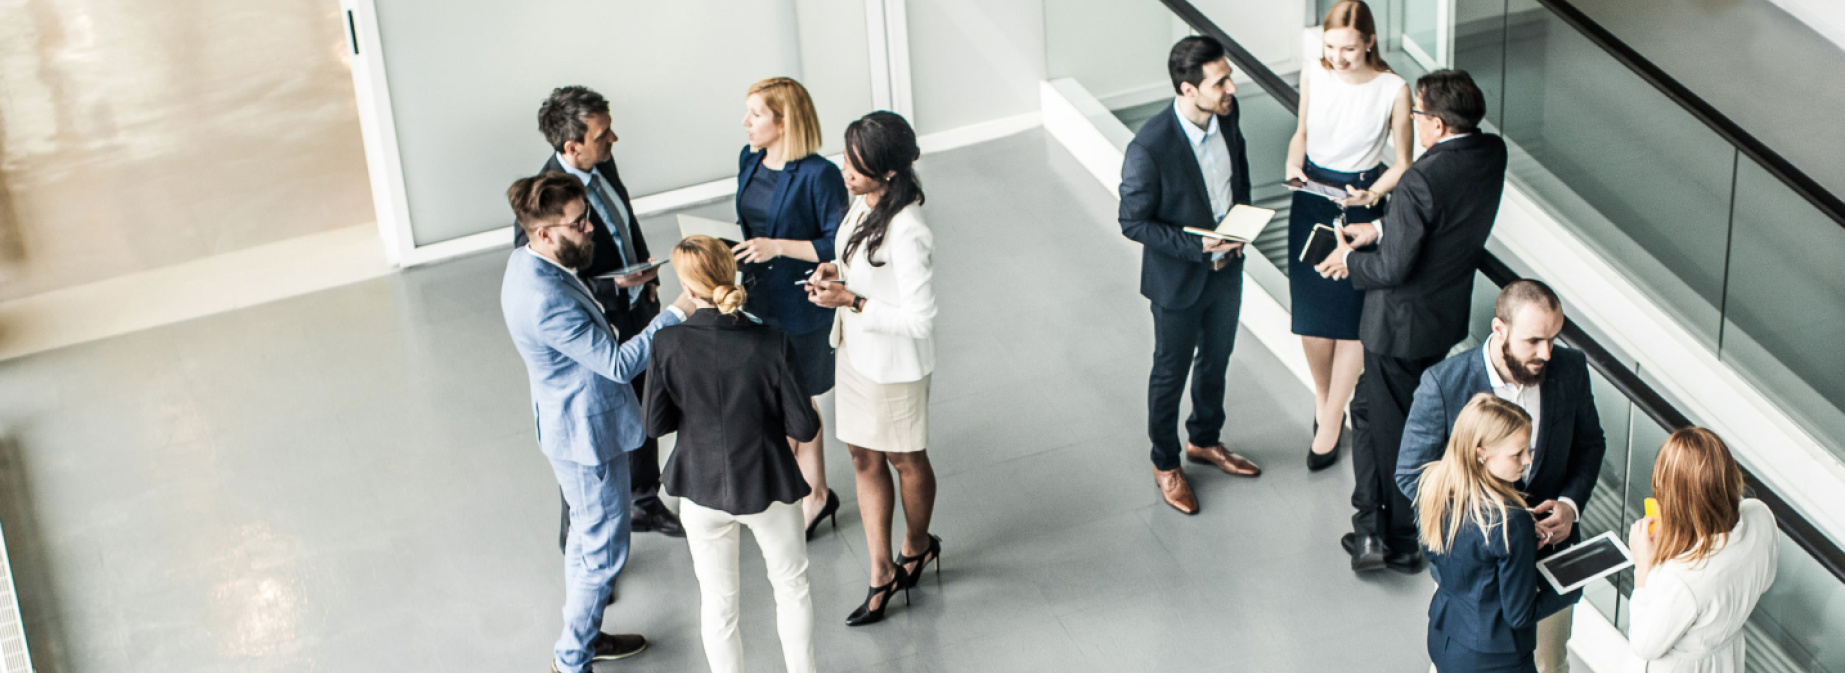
[
  {"x": 1418, "y": 282},
  {"x": 1521, "y": 364},
  {"x": 575, "y": 121},
  {"x": 1186, "y": 168}
]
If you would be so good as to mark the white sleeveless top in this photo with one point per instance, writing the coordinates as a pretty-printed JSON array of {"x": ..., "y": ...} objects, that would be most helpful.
[{"x": 1347, "y": 124}]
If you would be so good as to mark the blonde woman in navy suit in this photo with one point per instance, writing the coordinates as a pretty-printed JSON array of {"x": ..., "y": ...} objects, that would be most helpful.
[{"x": 790, "y": 201}]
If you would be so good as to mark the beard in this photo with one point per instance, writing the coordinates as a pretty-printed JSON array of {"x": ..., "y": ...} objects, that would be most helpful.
[
  {"x": 576, "y": 255},
  {"x": 1523, "y": 372}
]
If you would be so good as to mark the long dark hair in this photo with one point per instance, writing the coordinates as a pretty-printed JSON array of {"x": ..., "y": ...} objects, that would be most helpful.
[{"x": 877, "y": 144}]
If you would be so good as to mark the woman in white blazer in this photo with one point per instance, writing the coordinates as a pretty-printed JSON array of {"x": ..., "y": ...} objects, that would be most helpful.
[
  {"x": 1702, "y": 563},
  {"x": 884, "y": 332}
]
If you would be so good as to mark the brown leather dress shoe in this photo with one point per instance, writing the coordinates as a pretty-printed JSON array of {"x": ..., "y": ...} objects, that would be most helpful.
[
  {"x": 1223, "y": 458},
  {"x": 1176, "y": 490}
]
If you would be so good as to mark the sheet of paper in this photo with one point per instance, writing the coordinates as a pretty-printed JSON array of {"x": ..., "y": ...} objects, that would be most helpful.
[
  {"x": 1244, "y": 223},
  {"x": 693, "y": 225}
]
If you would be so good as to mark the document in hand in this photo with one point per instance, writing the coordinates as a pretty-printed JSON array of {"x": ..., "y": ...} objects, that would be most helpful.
[
  {"x": 693, "y": 225},
  {"x": 1243, "y": 224}
]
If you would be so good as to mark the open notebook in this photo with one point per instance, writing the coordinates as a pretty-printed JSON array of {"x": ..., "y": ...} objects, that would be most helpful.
[{"x": 1243, "y": 223}]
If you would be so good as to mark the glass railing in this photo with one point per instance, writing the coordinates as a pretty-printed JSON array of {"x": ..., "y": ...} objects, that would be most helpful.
[
  {"x": 1789, "y": 628},
  {"x": 1727, "y": 237}
]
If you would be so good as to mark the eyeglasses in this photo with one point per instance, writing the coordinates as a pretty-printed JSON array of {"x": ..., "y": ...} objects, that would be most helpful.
[
  {"x": 1415, "y": 111},
  {"x": 581, "y": 223}
]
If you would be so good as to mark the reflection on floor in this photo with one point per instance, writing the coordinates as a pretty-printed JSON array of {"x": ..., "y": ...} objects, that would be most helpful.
[{"x": 347, "y": 481}]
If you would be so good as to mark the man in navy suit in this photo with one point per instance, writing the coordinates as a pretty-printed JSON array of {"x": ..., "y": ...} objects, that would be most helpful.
[
  {"x": 576, "y": 123},
  {"x": 1521, "y": 364},
  {"x": 588, "y": 416},
  {"x": 1186, "y": 168}
]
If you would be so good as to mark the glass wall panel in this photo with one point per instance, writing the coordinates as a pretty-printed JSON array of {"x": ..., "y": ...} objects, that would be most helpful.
[
  {"x": 1795, "y": 627},
  {"x": 1604, "y": 511},
  {"x": 1634, "y": 174},
  {"x": 1786, "y": 302},
  {"x": 1116, "y": 50}
]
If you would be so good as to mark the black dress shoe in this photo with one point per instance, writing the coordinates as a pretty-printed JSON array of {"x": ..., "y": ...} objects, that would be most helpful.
[
  {"x": 1367, "y": 552},
  {"x": 1321, "y": 461},
  {"x": 654, "y": 517},
  {"x": 1406, "y": 562},
  {"x": 609, "y": 647}
]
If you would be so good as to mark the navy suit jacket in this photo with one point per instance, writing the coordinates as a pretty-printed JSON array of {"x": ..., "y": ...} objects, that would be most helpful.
[
  {"x": 1490, "y": 597},
  {"x": 1162, "y": 193},
  {"x": 1568, "y": 454},
  {"x": 810, "y": 200}
]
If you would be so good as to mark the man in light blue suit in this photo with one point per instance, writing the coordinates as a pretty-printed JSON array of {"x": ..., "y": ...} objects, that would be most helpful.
[{"x": 588, "y": 415}]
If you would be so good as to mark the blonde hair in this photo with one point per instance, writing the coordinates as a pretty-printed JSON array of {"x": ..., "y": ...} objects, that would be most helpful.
[
  {"x": 707, "y": 270},
  {"x": 791, "y": 105},
  {"x": 1458, "y": 486},
  {"x": 1699, "y": 487}
]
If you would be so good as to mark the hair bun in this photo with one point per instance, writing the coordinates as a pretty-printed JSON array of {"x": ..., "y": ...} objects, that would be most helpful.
[{"x": 728, "y": 298}]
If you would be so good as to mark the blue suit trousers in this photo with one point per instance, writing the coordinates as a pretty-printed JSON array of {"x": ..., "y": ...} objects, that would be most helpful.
[{"x": 595, "y": 551}]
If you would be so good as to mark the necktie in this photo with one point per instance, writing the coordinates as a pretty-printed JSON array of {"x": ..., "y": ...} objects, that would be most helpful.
[{"x": 601, "y": 198}]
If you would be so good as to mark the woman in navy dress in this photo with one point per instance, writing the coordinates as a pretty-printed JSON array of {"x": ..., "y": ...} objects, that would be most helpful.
[
  {"x": 1351, "y": 105},
  {"x": 790, "y": 201}
]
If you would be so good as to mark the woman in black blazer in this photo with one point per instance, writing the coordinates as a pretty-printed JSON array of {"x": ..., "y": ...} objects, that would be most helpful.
[
  {"x": 790, "y": 201},
  {"x": 727, "y": 384},
  {"x": 1483, "y": 543}
]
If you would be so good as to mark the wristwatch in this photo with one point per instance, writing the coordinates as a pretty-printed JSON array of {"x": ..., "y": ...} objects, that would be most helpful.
[{"x": 858, "y": 304}]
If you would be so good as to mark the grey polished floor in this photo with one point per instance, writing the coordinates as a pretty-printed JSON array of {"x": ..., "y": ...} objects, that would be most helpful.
[{"x": 348, "y": 481}]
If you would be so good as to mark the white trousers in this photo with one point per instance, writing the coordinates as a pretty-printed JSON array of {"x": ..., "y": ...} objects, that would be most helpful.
[{"x": 713, "y": 536}]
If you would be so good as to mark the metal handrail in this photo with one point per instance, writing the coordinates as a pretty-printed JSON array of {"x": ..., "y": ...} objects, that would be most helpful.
[
  {"x": 1745, "y": 142},
  {"x": 1797, "y": 528}
]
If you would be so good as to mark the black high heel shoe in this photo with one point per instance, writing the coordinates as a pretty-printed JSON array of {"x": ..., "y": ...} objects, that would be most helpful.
[
  {"x": 933, "y": 553},
  {"x": 828, "y": 511},
  {"x": 1321, "y": 461},
  {"x": 866, "y": 615}
]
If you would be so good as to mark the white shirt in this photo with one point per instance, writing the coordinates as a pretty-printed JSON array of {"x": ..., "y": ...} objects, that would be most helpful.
[
  {"x": 621, "y": 212},
  {"x": 1689, "y": 617},
  {"x": 1348, "y": 125},
  {"x": 1213, "y": 155}
]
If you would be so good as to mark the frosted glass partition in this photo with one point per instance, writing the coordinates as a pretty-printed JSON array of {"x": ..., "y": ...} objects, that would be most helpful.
[{"x": 466, "y": 80}]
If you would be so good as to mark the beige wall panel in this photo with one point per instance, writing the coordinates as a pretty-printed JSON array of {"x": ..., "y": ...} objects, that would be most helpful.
[{"x": 135, "y": 135}]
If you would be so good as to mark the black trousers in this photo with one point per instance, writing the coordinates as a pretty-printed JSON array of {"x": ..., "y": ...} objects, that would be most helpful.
[
  {"x": 1379, "y": 409},
  {"x": 1197, "y": 340}
]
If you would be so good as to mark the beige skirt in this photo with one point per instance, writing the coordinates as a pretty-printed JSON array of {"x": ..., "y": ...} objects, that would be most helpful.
[{"x": 889, "y": 417}]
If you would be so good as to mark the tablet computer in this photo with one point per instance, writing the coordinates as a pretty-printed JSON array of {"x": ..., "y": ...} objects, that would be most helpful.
[
  {"x": 1587, "y": 561},
  {"x": 1320, "y": 189},
  {"x": 634, "y": 269}
]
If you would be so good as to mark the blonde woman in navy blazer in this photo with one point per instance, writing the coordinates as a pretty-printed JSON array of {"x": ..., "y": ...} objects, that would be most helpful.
[{"x": 790, "y": 201}]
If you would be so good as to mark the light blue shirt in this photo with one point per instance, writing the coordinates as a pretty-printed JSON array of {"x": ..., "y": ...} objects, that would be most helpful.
[
  {"x": 1213, "y": 156},
  {"x": 602, "y": 206}
]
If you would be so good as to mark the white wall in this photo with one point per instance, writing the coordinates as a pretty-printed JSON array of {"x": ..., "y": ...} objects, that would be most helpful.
[
  {"x": 466, "y": 80},
  {"x": 973, "y": 61}
]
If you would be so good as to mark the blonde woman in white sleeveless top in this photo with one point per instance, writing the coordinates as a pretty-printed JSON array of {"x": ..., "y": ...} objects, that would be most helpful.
[
  {"x": 884, "y": 330},
  {"x": 1351, "y": 106}
]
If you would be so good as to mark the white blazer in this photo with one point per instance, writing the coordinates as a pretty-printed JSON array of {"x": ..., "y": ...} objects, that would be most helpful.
[
  {"x": 893, "y": 340},
  {"x": 1690, "y": 616}
]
